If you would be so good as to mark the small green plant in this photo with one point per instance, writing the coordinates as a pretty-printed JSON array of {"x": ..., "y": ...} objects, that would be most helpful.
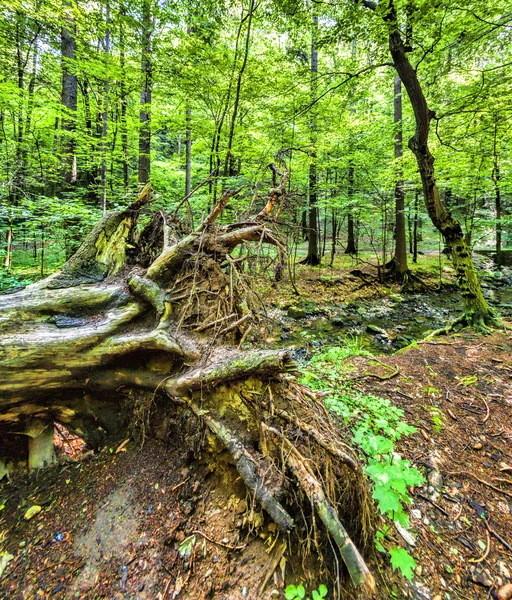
[
  {"x": 436, "y": 417},
  {"x": 299, "y": 591},
  {"x": 430, "y": 390},
  {"x": 468, "y": 380},
  {"x": 376, "y": 424}
]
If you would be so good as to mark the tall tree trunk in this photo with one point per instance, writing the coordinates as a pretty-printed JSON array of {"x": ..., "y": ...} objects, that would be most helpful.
[
  {"x": 229, "y": 157},
  {"x": 400, "y": 258},
  {"x": 476, "y": 310},
  {"x": 497, "y": 194},
  {"x": 188, "y": 159},
  {"x": 69, "y": 95},
  {"x": 415, "y": 228},
  {"x": 124, "y": 101},
  {"x": 351, "y": 237},
  {"x": 313, "y": 257},
  {"x": 104, "y": 117},
  {"x": 145, "y": 96}
]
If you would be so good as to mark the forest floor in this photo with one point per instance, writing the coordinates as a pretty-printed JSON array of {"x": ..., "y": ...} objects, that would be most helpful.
[{"x": 154, "y": 523}]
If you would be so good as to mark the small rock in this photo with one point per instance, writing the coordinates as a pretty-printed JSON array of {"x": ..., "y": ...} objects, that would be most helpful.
[
  {"x": 442, "y": 582},
  {"x": 419, "y": 571},
  {"x": 295, "y": 312},
  {"x": 245, "y": 592},
  {"x": 478, "y": 446},
  {"x": 374, "y": 329},
  {"x": 481, "y": 576},
  {"x": 505, "y": 592},
  {"x": 420, "y": 591},
  {"x": 416, "y": 513},
  {"x": 504, "y": 570}
]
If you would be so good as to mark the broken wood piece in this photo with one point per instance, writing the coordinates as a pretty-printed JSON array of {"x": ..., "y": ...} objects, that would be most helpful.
[
  {"x": 246, "y": 465},
  {"x": 357, "y": 568}
]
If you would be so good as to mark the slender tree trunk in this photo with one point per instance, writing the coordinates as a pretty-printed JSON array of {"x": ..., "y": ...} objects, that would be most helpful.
[
  {"x": 313, "y": 257},
  {"x": 477, "y": 311},
  {"x": 497, "y": 194},
  {"x": 351, "y": 237},
  {"x": 69, "y": 96},
  {"x": 145, "y": 96},
  {"x": 229, "y": 157},
  {"x": 334, "y": 235},
  {"x": 188, "y": 158},
  {"x": 8, "y": 248},
  {"x": 124, "y": 102},
  {"x": 400, "y": 258},
  {"x": 415, "y": 228},
  {"x": 104, "y": 117}
]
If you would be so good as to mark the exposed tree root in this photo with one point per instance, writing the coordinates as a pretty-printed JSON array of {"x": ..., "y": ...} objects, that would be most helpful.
[
  {"x": 135, "y": 326},
  {"x": 356, "y": 566},
  {"x": 480, "y": 323}
]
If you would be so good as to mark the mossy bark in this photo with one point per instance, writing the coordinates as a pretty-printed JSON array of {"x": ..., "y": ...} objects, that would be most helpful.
[{"x": 477, "y": 311}]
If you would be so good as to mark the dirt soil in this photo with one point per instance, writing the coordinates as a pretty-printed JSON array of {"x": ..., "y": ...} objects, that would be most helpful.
[
  {"x": 458, "y": 393},
  {"x": 155, "y": 523}
]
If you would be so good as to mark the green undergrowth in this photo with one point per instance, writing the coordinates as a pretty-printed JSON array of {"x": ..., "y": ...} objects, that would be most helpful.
[{"x": 376, "y": 424}]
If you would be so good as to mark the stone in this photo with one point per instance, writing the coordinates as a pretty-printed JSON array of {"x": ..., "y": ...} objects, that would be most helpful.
[
  {"x": 480, "y": 575},
  {"x": 374, "y": 329},
  {"x": 416, "y": 513},
  {"x": 295, "y": 312},
  {"x": 505, "y": 592},
  {"x": 420, "y": 591},
  {"x": 504, "y": 570}
]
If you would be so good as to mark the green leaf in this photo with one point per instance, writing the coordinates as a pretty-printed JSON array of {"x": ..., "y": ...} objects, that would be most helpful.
[
  {"x": 290, "y": 592},
  {"x": 322, "y": 590},
  {"x": 301, "y": 592},
  {"x": 402, "y": 560}
]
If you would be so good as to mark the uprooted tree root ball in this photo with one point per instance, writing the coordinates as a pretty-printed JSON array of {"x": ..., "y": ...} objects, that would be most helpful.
[{"x": 118, "y": 336}]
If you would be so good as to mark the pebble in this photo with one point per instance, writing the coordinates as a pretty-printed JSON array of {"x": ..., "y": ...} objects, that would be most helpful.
[
  {"x": 415, "y": 513},
  {"x": 504, "y": 570},
  {"x": 505, "y": 592}
]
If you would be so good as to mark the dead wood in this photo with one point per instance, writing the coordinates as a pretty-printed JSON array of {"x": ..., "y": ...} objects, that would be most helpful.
[{"x": 138, "y": 323}]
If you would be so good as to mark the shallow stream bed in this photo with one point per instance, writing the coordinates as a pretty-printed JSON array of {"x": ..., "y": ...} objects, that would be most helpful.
[{"x": 382, "y": 325}]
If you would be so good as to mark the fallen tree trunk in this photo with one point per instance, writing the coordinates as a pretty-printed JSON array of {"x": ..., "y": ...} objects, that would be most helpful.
[{"x": 99, "y": 344}]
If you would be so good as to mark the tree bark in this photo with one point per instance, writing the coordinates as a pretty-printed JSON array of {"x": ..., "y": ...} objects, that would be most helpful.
[
  {"x": 477, "y": 311},
  {"x": 400, "y": 256},
  {"x": 69, "y": 96},
  {"x": 144, "y": 172},
  {"x": 313, "y": 257}
]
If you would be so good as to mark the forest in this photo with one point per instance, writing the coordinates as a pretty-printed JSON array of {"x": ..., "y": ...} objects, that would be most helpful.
[{"x": 256, "y": 299}]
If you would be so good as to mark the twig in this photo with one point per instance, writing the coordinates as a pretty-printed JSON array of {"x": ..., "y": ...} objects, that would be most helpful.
[
  {"x": 485, "y": 554},
  {"x": 179, "y": 484},
  {"x": 488, "y": 411},
  {"x": 216, "y": 322},
  {"x": 499, "y": 538},
  {"x": 235, "y": 324},
  {"x": 497, "y": 489},
  {"x": 273, "y": 567},
  {"x": 439, "y": 508},
  {"x": 382, "y": 377},
  {"x": 219, "y": 543},
  {"x": 185, "y": 198}
]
